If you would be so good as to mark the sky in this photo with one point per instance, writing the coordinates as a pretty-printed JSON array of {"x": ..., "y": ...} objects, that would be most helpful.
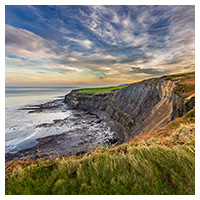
[{"x": 86, "y": 46}]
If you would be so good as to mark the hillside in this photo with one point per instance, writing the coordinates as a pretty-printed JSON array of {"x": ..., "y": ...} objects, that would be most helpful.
[{"x": 158, "y": 161}]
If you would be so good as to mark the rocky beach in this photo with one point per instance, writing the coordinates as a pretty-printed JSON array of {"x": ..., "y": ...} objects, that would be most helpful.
[{"x": 83, "y": 132}]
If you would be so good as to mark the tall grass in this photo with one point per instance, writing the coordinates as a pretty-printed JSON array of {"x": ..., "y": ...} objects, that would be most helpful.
[
  {"x": 136, "y": 170},
  {"x": 162, "y": 162}
]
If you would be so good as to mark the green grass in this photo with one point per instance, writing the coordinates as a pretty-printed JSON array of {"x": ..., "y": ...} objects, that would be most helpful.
[
  {"x": 137, "y": 170},
  {"x": 190, "y": 115},
  {"x": 181, "y": 88},
  {"x": 182, "y": 76},
  {"x": 185, "y": 84},
  {"x": 101, "y": 90}
]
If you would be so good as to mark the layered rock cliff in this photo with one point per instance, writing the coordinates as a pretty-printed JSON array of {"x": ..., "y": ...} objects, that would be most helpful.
[{"x": 139, "y": 108}]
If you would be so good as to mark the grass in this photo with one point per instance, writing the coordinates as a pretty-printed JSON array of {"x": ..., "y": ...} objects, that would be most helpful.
[
  {"x": 182, "y": 76},
  {"x": 100, "y": 90},
  {"x": 165, "y": 135},
  {"x": 174, "y": 77},
  {"x": 138, "y": 170},
  {"x": 185, "y": 85},
  {"x": 184, "y": 89}
]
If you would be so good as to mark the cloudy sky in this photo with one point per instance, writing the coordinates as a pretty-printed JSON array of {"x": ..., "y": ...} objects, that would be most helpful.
[{"x": 96, "y": 45}]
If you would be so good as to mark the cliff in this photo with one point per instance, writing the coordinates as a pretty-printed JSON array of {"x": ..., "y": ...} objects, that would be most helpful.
[{"x": 142, "y": 107}]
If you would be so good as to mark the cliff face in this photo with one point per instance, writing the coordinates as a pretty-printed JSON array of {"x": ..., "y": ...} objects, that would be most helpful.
[{"x": 138, "y": 108}]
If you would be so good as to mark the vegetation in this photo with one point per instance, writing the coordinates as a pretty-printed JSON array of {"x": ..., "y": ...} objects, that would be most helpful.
[
  {"x": 185, "y": 85},
  {"x": 182, "y": 77},
  {"x": 138, "y": 170},
  {"x": 159, "y": 163},
  {"x": 173, "y": 77},
  {"x": 190, "y": 116},
  {"x": 165, "y": 135},
  {"x": 101, "y": 90}
]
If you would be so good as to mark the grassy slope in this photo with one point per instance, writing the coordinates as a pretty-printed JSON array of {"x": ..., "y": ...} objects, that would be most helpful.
[
  {"x": 139, "y": 170},
  {"x": 184, "y": 83},
  {"x": 161, "y": 163}
]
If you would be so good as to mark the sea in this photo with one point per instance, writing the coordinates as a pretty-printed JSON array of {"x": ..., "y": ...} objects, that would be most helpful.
[{"x": 20, "y": 131}]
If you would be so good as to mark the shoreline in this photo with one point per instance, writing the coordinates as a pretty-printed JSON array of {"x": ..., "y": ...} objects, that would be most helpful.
[{"x": 75, "y": 142}]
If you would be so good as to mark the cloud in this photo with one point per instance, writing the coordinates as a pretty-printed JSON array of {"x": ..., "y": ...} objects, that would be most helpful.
[
  {"x": 102, "y": 76},
  {"x": 84, "y": 43},
  {"x": 68, "y": 69},
  {"x": 42, "y": 72},
  {"x": 71, "y": 59},
  {"x": 150, "y": 71},
  {"x": 26, "y": 44},
  {"x": 104, "y": 42},
  {"x": 23, "y": 39}
]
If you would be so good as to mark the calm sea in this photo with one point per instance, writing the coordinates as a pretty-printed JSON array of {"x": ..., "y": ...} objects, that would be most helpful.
[
  {"x": 20, "y": 125},
  {"x": 20, "y": 96}
]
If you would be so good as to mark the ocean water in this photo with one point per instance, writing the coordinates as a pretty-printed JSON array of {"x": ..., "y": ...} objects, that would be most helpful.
[
  {"x": 20, "y": 126},
  {"x": 20, "y": 96}
]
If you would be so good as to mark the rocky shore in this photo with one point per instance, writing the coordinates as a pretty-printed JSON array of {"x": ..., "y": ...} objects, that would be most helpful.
[{"x": 88, "y": 130}]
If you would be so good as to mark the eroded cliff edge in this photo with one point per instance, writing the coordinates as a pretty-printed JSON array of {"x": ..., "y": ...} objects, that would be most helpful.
[{"x": 141, "y": 107}]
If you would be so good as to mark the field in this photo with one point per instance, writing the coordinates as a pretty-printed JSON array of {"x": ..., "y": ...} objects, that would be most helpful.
[{"x": 100, "y": 90}]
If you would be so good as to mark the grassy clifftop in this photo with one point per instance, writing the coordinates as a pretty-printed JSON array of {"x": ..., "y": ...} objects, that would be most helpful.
[
  {"x": 159, "y": 163},
  {"x": 100, "y": 90}
]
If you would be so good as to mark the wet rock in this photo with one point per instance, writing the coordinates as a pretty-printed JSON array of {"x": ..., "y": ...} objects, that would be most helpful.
[
  {"x": 44, "y": 125},
  {"x": 45, "y": 107},
  {"x": 190, "y": 104},
  {"x": 77, "y": 140},
  {"x": 99, "y": 121},
  {"x": 80, "y": 153}
]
